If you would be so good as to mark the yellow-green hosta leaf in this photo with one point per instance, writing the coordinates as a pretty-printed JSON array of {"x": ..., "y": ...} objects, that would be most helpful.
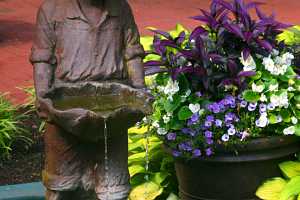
[
  {"x": 137, "y": 130},
  {"x": 146, "y": 191},
  {"x": 271, "y": 189},
  {"x": 290, "y": 168},
  {"x": 147, "y": 42},
  {"x": 179, "y": 28},
  {"x": 291, "y": 189},
  {"x": 298, "y": 198},
  {"x": 136, "y": 169}
]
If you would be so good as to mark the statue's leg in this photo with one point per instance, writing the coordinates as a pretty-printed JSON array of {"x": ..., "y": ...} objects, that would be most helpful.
[
  {"x": 61, "y": 174},
  {"x": 113, "y": 184}
]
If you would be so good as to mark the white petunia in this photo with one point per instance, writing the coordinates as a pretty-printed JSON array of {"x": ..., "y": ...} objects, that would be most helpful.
[
  {"x": 166, "y": 119},
  {"x": 289, "y": 131},
  {"x": 287, "y": 59},
  {"x": 245, "y": 134},
  {"x": 171, "y": 88},
  {"x": 262, "y": 121},
  {"x": 263, "y": 98},
  {"x": 194, "y": 107},
  {"x": 225, "y": 137},
  {"x": 155, "y": 124},
  {"x": 249, "y": 63},
  {"x": 268, "y": 63},
  {"x": 162, "y": 131},
  {"x": 258, "y": 88},
  {"x": 280, "y": 100},
  {"x": 294, "y": 120},
  {"x": 291, "y": 89},
  {"x": 273, "y": 87}
]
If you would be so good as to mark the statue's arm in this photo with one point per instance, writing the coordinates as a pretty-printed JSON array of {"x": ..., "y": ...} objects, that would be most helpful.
[
  {"x": 42, "y": 54},
  {"x": 134, "y": 52}
]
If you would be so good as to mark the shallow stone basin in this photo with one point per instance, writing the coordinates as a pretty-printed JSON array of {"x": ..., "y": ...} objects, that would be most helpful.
[{"x": 83, "y": 109}]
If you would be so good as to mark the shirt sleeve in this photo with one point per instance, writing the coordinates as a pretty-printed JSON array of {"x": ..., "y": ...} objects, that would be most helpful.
[
  {"x": 44, "y": 42},
  {"x": 133, "y": 47}
]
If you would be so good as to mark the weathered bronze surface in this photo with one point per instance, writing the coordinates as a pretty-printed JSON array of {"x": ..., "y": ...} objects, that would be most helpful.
[{"x": 87, "y": 62}]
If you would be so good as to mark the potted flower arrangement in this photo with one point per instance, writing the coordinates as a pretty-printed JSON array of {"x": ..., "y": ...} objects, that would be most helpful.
[{"x": 227, "y": 101}]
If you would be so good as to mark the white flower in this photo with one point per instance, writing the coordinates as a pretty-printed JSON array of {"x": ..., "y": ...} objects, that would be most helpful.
[
  {"x": 225, "y": 137},
  {"x": 280, "y": 100},
  {"x": 275, "y": 52},
  {"x": 245, "y": 134},
  {"x": 268, "y": 63},
  {"x": 249, "y": 64},
  {"x": 187, "y": 93},
  {"x": 287, "y": 59},
  {"x": 166, "y": 119},
  {"x": 291, "y": 89},
  {"x": 289, "y": 131},
  {"x": 194, "y": 107},
  {"x": 278, "y": 119},
  {"x": 273, "y": 87},
  {"x": 263, "y": 98},
  {"x": 258, "y": 88},
  {"x": 294, "y": 120},
  {"x": 171, "y": 88},
  {"x": 155, "y": 124},
  {"x": 162, "y": 131},
  {"x": 262, "y": 121}
]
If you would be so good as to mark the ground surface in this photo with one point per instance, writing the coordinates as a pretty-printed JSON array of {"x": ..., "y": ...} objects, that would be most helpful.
[{"x": 17, "y": 26}]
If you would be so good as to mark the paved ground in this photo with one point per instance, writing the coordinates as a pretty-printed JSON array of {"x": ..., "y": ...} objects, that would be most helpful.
[{"x": 17, "y": 25}]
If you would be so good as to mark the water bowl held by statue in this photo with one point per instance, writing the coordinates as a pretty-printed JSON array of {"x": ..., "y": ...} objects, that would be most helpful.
[{"x": 83, "y": 109}]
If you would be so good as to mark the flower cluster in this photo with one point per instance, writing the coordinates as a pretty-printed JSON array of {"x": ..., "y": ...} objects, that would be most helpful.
[{"x": 223, "y": 83}]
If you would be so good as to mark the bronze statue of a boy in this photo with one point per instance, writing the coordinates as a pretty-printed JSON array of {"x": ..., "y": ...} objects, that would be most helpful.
[{"x": 79, "y": 41}]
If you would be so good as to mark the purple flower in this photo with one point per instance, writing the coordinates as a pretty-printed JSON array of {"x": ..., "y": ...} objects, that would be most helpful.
[
  {"x": 243, "y": 104},
  {"x": 214, "y": 107},
  {"x": 188, "y": 131},
  {"x": 229, "y": 117},
  {"x": 185, "y": 146},
  {"x": 171, "y": 136},
  {"x": 218, "y": 123},
  {"x": 176, "y": 153},
  {"x": 208, "y": 151},
  {"x": 210, "y": 118},
  {"x": 230, "y": 101},
  {"x": 207, "y": 124},
  {"x": 195, "y": 118},
  {"x": 209, "y": 141},
  {"x": 208, "y": 134},
  {"x": 240, "y": 97},
  {"x": 251, "y": 107},
  {"x": 198, "y": 94},
  {"x": 196, "y": 153}
]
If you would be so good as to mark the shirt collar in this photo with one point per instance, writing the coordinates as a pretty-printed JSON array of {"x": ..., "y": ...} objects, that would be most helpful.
[{"x": 112, "y": 7}]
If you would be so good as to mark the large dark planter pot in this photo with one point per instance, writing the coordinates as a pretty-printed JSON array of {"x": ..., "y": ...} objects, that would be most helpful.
[{"x": 234, "y": 177}]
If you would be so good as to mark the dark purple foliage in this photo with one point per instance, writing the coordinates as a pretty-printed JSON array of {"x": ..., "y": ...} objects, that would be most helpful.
[{"x": 212, "y": 52}]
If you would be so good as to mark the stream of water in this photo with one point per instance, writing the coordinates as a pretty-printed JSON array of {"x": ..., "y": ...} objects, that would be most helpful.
[{"x": 106, "y": 164}]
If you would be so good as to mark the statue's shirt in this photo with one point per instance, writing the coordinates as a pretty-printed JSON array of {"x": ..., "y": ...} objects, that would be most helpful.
[{"x": 80, "y": 51}]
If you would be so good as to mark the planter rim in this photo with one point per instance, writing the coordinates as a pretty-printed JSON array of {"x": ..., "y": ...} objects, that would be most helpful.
[{"x": 264, "y": 148}]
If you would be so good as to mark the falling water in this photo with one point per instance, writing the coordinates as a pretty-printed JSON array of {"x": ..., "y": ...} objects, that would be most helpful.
[
  {"x": 106, "y": 177},
  {"x": 147, "y": 162}
]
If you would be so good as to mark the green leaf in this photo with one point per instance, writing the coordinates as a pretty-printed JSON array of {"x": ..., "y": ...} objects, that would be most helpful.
[
  {"x": 146, "y": 191},
  {"x": 175, "y": 124},
  {"x": 184, "y": 113},
  {"x": 291, "y": 189},
  {"x": 290, "y": 169},
  {"x": 272, "y": 119},
  {"x": 172, "y": 196},
  {"x": 285, "y": 115},
  {"x": 297, "y": 98},
  {"x": 170, "y": 106},
  {"x": 136, "y": 169},
  {"x": 147, "y": 42},
  {"x": 159, "y": 177},
  {"x": 251, "y": 96},
  {"x": 297, "y": 129},
  {"x": 257, "y": 75},
  {"x": 271, "y": 189}
]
